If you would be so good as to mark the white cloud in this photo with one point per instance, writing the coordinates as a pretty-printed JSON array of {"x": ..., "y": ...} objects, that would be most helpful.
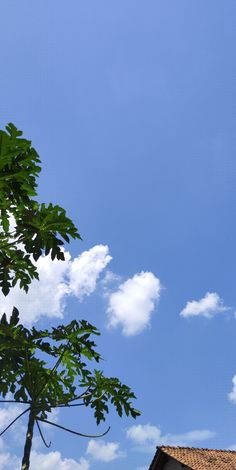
[
  {"x": 9, "y": 461},
  {"x": 58, "y": 279},
  {"x": 39, "y": 461},
  {"x": 86, "y": 269},
  {"x": 52, "y": 460},
  {"x": 148, "y": 437},
  {"x": 188, "y": 437},
  {"x": 207, "y": 307},
  {"x": 232, "y": 394},
  {"x": 104, "y": 451},
  {"x": 7, "y": 414},
  {"x": 109, "y": 282},
  {"x": 143, "y": 433},
  {"x": 45, "y": 297},
  {"x": 132, "y": 304}
]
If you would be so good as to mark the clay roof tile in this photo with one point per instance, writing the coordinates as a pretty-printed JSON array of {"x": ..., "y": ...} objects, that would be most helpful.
[{"x": 197, "y": 458}]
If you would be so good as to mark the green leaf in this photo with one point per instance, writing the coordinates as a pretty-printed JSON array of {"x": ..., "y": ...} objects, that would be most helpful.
[
  {"x": 14, "y": 319},
  {"x": 39, "y": 228},
  {"x": 25, "y": 373}
]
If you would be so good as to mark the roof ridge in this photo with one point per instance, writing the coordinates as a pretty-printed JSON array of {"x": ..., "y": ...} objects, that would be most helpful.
[{"x": 196, "y": 448}]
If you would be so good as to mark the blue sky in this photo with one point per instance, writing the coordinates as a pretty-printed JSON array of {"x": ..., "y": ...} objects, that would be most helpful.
[{"x": 131, "y": 106}]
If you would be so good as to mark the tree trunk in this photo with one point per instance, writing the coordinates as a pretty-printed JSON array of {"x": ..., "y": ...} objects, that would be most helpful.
[{"x": 28, "y": 441}]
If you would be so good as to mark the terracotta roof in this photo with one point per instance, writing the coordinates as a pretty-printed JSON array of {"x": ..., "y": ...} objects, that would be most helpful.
[{"x": 199, "y": 459}]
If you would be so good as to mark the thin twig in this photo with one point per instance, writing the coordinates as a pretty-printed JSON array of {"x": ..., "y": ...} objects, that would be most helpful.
[
  {"x": 74, "y": 432},
  {"x": 52, "y": 370},
  {"x": 14, "y": 420},
  {"x": 83, "y": 395},
  {"x": 67, "y": 405},
  {"x": 50, "y": 375},
  {"x": 79, "y": 404},
  {"x": 42, "y": 436},
  {"x": 30, "y": 389}
]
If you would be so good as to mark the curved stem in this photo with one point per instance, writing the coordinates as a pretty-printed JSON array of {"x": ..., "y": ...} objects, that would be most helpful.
[
  {"x": 42, "y": 436},
  {"x": 74, "y": 432},
  {"x": 14, "y": 420},
  {"x": 50, "y": 375}
]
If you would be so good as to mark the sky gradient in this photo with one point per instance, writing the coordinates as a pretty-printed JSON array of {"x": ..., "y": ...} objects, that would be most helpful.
[{"x": 131, "y": 107}]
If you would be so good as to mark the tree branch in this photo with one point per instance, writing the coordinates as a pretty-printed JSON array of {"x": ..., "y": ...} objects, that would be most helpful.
[
  {"x": 42, "y": 436},
  {"x": 67, "y": 405},
  {"x": 79, "y": 404},
  {"x": 14, "y": 420},
  {"x": 83, "y": 395},
  {"x": 52, "y": 370},
  {"x": 73, "y": 432}
]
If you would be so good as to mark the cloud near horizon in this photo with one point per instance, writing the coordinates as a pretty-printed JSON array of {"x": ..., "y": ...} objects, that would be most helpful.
[
  {"x": 133, "y": 303},
  {"x": 147, "y": 437},
  {"x": 208, "y": 306},
  {"x": 40, "y": 461},
  {"x": 104, "y": 451}
]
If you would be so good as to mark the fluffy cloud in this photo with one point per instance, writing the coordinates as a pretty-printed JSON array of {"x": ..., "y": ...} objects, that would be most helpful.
[
  {"x": 148, "y": 437},
  {"x": 7, "y": 414},
  {"x": 58, "y": 279},
  {"x": 232, "y": 394},
  {"x": 9, "y": 461},
  {"x": 54, "y": 460},
  {"x": 86, "y": 269},
  {"x": 144, "y": 433},
  {"x": 132, "y": 304},
  {"x": 41, "y": 461},
  {"x": 46, "y": 297},
  {"x": 207, "y": 307},
  {"x": 104, "y": 451}
]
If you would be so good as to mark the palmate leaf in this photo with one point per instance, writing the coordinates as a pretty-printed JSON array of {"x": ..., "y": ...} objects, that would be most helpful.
[
  {"x": 19, "y": 166},
  {"x": 38, "y": 229},
  {"x": 26, "y": 369},
  {"x": 44, "y": 369}
]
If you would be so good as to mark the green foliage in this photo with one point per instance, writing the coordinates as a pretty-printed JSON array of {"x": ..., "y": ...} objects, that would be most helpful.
[
  {"x": 43, "y": 369},
  {"x": 25, "y": 358},
  {"x": 38, "y": 228}
]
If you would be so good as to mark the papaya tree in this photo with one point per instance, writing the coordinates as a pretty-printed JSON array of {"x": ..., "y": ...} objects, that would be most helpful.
[
  {"x": 38, "y": 229},
  {"x": 43, "y": 369},
  {"x": 25, "y": 355}
]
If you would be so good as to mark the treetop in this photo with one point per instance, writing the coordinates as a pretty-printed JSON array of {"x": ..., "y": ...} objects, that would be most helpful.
[{"x": 38, "y": 228}]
